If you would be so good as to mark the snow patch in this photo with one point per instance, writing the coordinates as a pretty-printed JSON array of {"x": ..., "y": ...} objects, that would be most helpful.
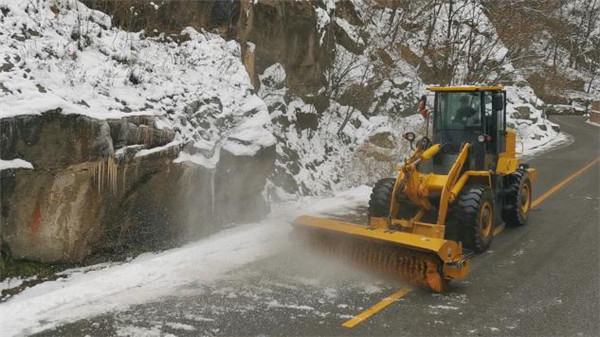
[
  {"x": 180, "y": 326},
  {"x": 146, "y": 152},
  {"x": 276, "y": 304},
  {"x": 443, "y": 307},
  {"x": 14, "y": 164},
  {"x": 592, "y": 123}
]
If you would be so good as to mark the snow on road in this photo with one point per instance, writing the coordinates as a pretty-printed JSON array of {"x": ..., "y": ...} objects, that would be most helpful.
[{"x": 86, "y": 292}]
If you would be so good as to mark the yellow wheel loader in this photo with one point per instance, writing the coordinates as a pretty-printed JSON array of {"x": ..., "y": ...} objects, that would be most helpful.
[{"x": 447, "y": 199}]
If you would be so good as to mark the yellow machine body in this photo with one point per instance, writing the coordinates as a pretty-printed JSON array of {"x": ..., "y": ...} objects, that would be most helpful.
[{"x": 444, "y": 258}]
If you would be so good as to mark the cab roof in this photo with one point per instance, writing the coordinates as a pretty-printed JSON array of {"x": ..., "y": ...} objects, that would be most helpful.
[{"x": 466, "y": 88}]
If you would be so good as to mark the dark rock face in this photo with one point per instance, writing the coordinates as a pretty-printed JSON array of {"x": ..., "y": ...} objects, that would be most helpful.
[
  {"x": 284, "y": 32},
  {"x": 49, "y": 144},
  {"x": 89, "y": 192}
]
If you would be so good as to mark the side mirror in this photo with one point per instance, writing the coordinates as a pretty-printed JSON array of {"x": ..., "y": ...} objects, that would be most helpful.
[
  {"x": 410, "y": 136},
  {"x": 498, "y": 102}
]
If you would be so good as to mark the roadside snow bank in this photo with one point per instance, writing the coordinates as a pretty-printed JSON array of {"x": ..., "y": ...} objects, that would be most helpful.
[
  {"x": 524, "y": 114},
  {"x": 90, "y": 291}
]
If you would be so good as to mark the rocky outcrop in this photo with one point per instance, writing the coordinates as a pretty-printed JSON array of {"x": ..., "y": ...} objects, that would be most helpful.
[
  {"x": 112, "y": 185},
  {"x": 282, "y": 32}
]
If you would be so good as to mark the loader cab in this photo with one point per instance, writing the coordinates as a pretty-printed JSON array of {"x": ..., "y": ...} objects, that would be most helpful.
[{"x": 469, "y": 114}]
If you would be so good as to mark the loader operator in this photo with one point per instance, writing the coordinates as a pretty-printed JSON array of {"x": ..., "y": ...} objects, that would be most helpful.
[{"x": 465, "y": 113}]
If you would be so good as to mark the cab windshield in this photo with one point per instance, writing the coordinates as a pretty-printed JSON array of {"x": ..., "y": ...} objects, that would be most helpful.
[{"x": 458, "y": 111}]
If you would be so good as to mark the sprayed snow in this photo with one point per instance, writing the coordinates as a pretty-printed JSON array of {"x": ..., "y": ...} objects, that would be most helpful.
[
  {"x": 14, "y": 164},
  {"x": 92, "y": 291}
]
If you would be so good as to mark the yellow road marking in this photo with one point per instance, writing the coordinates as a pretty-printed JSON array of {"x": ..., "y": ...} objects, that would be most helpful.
[
  {"x": 563, "y": 183},
  {"x": 377, "y": 307}
]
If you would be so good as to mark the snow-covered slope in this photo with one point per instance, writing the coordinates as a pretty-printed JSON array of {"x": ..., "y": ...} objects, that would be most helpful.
[
  {"x": 382, "y": 60},
  {"x": 72, "y": 59},
  {"x": 62, "y": 55}
]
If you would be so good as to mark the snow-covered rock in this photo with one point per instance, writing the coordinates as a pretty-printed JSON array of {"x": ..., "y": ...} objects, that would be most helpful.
[
  {"x": 129, "y": 140},
  {"x": 76, "y": 62}
]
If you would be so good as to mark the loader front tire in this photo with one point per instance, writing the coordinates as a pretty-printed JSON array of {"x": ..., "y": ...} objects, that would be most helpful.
[
  {"x": 518, "y": 199},
  {"x": 475, "y": 216},
  {"x": 379, "y": 204}
]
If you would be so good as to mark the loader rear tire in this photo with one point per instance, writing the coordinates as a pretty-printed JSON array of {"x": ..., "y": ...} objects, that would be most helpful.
[
  {"x": 379, "y": 204},
  {"x": 518, "y": 199},
  {"x": 475, "y": 216}
]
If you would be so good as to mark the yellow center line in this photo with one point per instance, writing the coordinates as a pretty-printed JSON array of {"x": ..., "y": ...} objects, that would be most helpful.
[
  {"x": 560, "y": 185},
  {"x": 377, "y": 307}
]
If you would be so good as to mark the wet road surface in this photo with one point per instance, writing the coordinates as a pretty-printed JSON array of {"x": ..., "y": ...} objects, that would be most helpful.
[{"x": 542, "y": 279}]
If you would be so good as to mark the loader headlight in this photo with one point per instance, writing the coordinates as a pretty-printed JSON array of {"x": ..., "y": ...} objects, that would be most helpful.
[{"x": 481, "y": 138}]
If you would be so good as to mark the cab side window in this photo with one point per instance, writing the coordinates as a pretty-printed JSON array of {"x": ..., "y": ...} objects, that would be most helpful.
[
  {"x": 499, "y": 96},
  {"x": 489, "y": 113}
]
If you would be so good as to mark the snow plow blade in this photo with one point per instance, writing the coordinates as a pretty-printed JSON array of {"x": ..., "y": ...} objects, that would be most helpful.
[{"x": 424, "y": 261}]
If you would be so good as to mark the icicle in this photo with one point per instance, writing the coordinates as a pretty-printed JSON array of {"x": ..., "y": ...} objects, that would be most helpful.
[
  {"x": 149, "y": 135},
  {"x": 112, "y": 174},
  {"x": 97, "y": 173},
  {"x": 105, "y": 172},
  {"x": 125, "y": 176},
  {"x": 100, "y": 175},
  {"x": 108, "y": 185},
  {"x": 115, "y": 174},
  {"x": 212, "y": 191}
]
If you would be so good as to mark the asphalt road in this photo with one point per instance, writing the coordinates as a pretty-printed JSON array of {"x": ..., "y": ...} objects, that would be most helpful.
[{"x": 538, "y": 280}]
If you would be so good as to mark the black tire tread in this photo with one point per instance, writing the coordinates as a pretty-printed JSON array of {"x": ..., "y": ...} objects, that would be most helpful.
[
  {"x": 466, "y": 216},
  {"x": 379, "y": 203},
  {"x": 511, "y": 211}
]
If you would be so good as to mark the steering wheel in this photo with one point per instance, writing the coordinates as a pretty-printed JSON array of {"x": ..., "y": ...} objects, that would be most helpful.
[{"x": 424, "y": 143}]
